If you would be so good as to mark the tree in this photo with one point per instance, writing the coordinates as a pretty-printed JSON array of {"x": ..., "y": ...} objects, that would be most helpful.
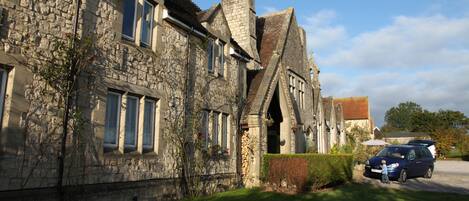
[
  {"x": 425, "y": 121},
  {"x": 400, "y": 117},
  {"x": 452, "y": 119}
]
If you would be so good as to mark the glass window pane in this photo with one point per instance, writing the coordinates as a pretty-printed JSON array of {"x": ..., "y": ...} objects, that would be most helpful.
[
  {"x": 112, "y": 119},
  {"x": 221, "y": 58},
  {"x": 3, "y": 79},
  {"x": 147, "y": 23},
  {"x": 128, "y": 22},
  {"x": 204, "y": 128},
  {"x": 148, "y": 123},
  {"x": 215, "y": 128},
  {"x": 131, "y": 117},
  {"x": 224, "y": 136}
]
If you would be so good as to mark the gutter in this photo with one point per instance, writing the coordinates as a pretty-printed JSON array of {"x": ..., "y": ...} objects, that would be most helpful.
[
  {"x": 234, "y": 53},
  {"x": 170, "y": 18}
]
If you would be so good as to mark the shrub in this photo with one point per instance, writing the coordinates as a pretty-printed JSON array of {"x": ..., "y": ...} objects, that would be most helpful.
[
  {"x": 303, "y": 170},
  {"x": 280, "y": 169}
]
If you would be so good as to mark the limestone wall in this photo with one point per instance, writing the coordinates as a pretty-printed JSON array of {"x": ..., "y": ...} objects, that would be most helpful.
[{"x": 28, "y": 157}]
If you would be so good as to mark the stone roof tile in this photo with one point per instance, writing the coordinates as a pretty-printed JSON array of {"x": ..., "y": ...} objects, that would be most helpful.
[{"x": 354, "y": 107}]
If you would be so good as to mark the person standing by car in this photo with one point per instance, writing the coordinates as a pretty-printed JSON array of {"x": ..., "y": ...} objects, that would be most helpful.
[{"x": 384, "y": 172}]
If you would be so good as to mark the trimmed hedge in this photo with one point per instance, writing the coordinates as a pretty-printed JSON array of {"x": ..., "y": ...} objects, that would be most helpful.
[{"x": 321, "y": 169}]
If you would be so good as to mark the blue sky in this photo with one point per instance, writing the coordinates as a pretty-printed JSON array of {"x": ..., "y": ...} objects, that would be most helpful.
[{"x": 391, "y": 51}]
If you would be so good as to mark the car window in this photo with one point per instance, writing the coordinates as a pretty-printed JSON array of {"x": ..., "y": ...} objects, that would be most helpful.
[
  {"x": 419, "y": 153},
  {"x": 428, "y": 153},
  {"x": 411, "y": 155},
  {"x": 394, "y": 152}
]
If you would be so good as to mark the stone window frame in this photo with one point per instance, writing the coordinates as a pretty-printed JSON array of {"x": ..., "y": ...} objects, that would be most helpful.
[
  {"x": 215, "y": 128},
  {"x": 210, "y": 55},
  {"x": 205, "y": 128},
  {"x": 139, "y": 148},
  {"x": 155, "y": 38},
  {"x": 221, "y": 58},
  {"x": 301, "y": 93},
  {"x": 218, "y": 115},
  {"x": 152, "y": 21},
  {"x": 216, "y": 64},
  {"x": 225, "y": 131},
  {"x": 297, "y": 88}
]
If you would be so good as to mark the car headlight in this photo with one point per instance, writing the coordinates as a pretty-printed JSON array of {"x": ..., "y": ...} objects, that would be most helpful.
[
  {"x": 394, "y": 165},
  {"x": 367, "y": 162}
]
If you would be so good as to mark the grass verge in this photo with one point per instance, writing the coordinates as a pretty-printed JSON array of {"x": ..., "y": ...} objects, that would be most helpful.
[{"x": 348, "y": 192}]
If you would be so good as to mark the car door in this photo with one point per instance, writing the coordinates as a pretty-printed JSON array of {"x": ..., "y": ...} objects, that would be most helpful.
[
  {"x": 420, "y": 162},
  {"x": 412, "y": 167},
  {"x": 428, "y": 158}
]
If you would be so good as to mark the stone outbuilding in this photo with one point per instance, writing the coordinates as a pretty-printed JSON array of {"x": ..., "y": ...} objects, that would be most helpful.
[{"x": 356, "y": 112}]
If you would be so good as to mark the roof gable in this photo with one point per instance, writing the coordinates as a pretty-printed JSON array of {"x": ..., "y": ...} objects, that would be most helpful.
[
  {"x": 214, "y": 20},
  {"x": 271, "y": 33}
]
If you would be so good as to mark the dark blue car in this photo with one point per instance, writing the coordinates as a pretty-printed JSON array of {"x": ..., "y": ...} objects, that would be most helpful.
[{"x": 403, "y": 161}]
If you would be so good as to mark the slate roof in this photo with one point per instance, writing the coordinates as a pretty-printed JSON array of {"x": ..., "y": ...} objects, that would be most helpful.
[
  {"x": 185, "y": 11},
  {"x": 354, "y": 107},
  {"x": 206, "y": 15},
  {"x": 267, "y": 28}
]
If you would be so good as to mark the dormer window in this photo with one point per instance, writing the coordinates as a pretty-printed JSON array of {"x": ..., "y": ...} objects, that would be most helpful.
[
  {"x": 216, "y": 56},
  {"x": 210, "y": 56},
  {"x": 221, "y": 58}
]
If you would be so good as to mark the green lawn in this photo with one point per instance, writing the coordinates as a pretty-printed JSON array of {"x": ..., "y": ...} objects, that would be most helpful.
[{"x": 346, "y": 192}]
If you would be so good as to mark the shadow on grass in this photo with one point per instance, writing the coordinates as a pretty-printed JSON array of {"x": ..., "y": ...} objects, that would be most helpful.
[{"x": 348, "y": 192}]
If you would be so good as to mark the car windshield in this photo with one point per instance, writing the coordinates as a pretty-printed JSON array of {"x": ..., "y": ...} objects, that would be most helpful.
[{"x": 394, "y": 152}]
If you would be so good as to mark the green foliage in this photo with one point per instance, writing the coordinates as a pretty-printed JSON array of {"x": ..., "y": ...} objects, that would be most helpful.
[
  {"x": 344, "y": 149},
  {"x": 323, "y": 169},
  {"x": 447, "y": 127},
  {"x": 400, "y": 117}
]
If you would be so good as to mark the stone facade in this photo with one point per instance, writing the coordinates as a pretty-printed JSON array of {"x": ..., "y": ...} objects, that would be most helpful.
[
  {"x": 241, "y": 16},
  {"x": 171, "y": 69},
  {"x": 207, "y": 74}
]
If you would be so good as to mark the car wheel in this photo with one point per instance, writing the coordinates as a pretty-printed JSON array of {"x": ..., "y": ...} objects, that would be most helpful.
[
  {"x": 403, "y": 176},
  {"x": 429, "y": 173}
]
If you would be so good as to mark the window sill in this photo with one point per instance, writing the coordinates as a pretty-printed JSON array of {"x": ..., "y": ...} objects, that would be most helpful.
[
  {"x": 130, "y": 154},
  {"x": 141, "y": 47}
]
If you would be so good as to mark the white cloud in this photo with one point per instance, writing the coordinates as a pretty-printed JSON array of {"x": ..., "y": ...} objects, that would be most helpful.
[
  {"x": 409, "y": 42},
  {"x": 424, "y": 59},
  {"x": 321, "y": 32},
  {"x": 269, "y": 10},
  {"x": 433, "y": 89}
]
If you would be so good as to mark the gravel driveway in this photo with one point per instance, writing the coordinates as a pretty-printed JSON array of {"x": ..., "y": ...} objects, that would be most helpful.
[{"x": 448, "y": 176}]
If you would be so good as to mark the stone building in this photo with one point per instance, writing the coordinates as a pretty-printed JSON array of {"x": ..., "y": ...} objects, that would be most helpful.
[
  {"x": 356, "y": 112},
  {"x": 157, "y": 68},
  {"x": 237, "y": 84},
  {"x": 278, "y": 115}
]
